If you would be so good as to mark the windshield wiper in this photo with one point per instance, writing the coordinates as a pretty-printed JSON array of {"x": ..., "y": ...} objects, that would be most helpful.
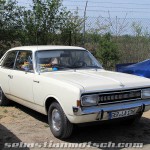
[
  {"x": 84, "y": 67},
  {"x": 62, "y": 67},
  {"x": 93, "y": 67}
]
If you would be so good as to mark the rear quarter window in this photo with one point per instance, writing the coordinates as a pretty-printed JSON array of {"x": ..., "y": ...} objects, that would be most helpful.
[{"x": 9, "y": 60}]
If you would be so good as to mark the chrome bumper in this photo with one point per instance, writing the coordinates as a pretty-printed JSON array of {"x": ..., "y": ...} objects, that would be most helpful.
[{"x": 102, "y": 110}]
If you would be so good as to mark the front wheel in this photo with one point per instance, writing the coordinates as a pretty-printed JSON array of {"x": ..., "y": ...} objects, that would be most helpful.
[
  {"x": 3, "y": 99},
  {"x": 58, "y": 122}
]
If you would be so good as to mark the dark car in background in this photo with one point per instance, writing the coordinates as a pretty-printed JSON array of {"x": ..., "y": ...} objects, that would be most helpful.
[{"x": 139, "y": 69}]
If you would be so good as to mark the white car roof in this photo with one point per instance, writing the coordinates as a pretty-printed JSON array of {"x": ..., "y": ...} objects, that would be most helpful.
[{"x": 46, "y": 47}]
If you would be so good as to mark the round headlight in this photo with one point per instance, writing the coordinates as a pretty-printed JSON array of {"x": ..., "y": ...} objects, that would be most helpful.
[
  {"x": 89, "y": 100},
  {"x": 145, "y": 93}
]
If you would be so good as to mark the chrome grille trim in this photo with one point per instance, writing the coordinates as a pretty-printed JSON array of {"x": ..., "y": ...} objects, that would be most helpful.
[{"x": 117, "y": 97}]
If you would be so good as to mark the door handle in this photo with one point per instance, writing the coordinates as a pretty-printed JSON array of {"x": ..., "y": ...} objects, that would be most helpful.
[
  {"x": 36, "y": 81},
  {"x": 10, "y": 76}
]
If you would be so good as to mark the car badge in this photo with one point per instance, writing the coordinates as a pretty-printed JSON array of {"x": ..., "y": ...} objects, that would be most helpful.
[{"x": 122, "y": 85}]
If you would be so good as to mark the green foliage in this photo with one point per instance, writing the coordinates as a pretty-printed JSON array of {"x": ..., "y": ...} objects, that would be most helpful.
[
  {"x": 42, "y": 21},
  {"x": 71, "y": 29},
  {"x": 47, "y": 22},
  {"x": 107, "y": 51},
  {"x": 10, "y": 24},
  {"x": 134, "y": 48}
]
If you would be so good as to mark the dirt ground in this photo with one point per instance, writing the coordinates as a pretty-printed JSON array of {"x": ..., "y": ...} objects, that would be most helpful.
[{"x": 19, "y": 124}]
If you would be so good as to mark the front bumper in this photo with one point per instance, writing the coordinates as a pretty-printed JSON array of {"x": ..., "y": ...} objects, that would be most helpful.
[{"x": 95, "y": 113}]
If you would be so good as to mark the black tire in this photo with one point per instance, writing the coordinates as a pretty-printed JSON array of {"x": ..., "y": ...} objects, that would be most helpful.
[
  {"x": 65, "y": 128},
  {"x": 132, "y": 121},
  {"x": 3, "y": 99}
]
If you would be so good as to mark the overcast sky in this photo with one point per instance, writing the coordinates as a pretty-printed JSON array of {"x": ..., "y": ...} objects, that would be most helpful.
[{"x": 95, "y": 8}]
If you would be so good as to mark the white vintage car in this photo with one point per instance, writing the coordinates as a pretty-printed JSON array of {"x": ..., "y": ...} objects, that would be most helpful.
[{"x": 70, "y": 86}]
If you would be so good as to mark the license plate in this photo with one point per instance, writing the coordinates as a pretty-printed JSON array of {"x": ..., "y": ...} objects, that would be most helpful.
[{"x": 122, "y": 113}]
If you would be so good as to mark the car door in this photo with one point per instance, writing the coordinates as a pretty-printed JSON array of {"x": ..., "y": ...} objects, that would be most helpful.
[
  {"x": 21, "y": 82},
  {"x": 5, "y": 71}
]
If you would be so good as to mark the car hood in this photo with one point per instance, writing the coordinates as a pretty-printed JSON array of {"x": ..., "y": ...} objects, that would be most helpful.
[{"x": 100, "y": 80}]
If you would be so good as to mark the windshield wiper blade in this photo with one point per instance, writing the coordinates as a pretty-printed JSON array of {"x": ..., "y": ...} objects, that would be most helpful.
[
  {"x": 78, "y": 67},
  {"x": 95, "y": 67},
  {"x": 60, "y": 67}
]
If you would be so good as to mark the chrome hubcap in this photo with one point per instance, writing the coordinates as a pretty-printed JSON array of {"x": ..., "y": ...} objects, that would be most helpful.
[
  {"x": 56, "y": 120},
  {"x": 0, "y": 95}
]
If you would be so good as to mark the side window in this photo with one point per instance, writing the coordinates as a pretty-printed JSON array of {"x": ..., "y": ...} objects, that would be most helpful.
[
  {"x": 9, "y": 60},
  {"x": 24, "y": 61}
]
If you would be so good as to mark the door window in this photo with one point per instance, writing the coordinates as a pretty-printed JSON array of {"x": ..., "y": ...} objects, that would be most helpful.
[{"x": 24, "y": 61}]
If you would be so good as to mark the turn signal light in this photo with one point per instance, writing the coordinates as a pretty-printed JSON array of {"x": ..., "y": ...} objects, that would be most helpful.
[{"x": 78, "y": 103}]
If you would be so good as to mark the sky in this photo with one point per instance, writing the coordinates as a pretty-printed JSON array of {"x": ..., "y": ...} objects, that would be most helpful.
[
  {"x": 96, "y": 8},
  {"x": 99, "y": 12},
  {"x": 119, "y": 8}
]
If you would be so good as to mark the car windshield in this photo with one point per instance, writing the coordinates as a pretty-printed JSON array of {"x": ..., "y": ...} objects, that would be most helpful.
[{"x": 55, "y": 60}]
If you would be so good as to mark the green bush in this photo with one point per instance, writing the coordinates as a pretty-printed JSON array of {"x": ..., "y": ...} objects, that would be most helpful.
[{"x": 107, "y": 52}]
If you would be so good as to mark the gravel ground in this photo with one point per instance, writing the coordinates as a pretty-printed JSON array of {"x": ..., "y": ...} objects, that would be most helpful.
[{"x": 19, "y": 124}]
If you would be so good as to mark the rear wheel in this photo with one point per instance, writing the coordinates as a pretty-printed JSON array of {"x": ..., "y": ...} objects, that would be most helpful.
[
  {"x": 3, "y": 99},
  {"x": 58, "y": 122}
]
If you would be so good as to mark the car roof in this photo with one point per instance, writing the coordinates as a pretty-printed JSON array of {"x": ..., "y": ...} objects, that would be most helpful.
[{"x": 46, "y": 47}]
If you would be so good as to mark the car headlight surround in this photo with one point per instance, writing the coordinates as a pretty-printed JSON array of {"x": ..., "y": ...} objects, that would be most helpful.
[
  {"x": 89, "y": 100},
  {"x": 145, "y": 93}
]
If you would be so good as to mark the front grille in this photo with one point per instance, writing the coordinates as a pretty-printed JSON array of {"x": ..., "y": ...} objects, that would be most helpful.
[{"x": 114, "y": 97}]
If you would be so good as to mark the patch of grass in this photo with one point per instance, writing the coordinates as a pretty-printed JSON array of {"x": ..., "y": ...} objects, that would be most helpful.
[
  {"x": 5, "y": 111},
  {"x": 14, "y": 116},
  {"x": 46, "y": 125},
  {"x": 1, "y": 116}
]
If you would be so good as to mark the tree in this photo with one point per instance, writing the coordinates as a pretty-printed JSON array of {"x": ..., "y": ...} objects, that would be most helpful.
[
  {"x": 46, "y": 22},
  {"x": 10, "y": 24},
  {"x": 42, "y": 21},
  {"x": 107, "y": 51},
  {"x": 71, "y": 28}
]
